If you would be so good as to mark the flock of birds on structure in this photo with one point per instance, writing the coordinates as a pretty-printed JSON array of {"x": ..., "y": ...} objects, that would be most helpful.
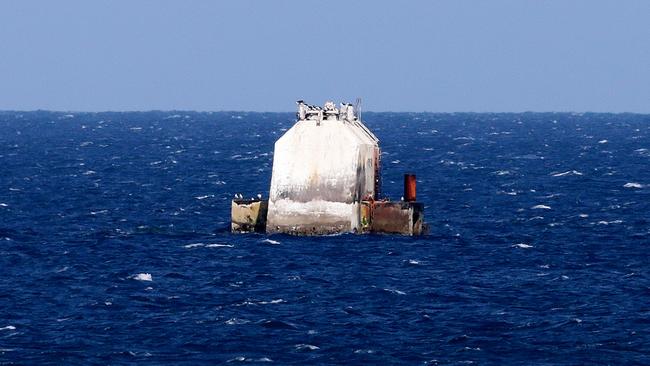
[{"x": 239, "y": 196}]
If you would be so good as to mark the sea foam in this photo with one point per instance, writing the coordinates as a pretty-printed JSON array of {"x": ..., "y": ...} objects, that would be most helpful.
[{"x": 143, "y": 277}]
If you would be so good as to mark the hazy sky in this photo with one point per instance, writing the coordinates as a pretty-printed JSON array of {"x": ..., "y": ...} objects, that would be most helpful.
[{"x": 440, "y": 56}]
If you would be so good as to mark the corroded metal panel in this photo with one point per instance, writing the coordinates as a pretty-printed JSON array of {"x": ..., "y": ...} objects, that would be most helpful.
[
  {"x": 365, "y": 216},
  {"x": 398, "y": 218}
]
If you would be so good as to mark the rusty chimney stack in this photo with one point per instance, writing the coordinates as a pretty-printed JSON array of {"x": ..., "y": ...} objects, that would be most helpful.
[{"x": 409, "y": 188}]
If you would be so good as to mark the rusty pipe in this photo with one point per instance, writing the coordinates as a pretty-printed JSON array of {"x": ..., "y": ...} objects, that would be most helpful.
[{"x": 409, "y": 188}]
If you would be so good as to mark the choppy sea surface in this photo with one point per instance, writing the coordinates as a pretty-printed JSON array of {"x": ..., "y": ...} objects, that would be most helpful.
[{"x": 114, "y": 244}]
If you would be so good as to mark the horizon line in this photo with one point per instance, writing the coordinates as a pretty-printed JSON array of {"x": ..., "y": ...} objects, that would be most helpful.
[{"x": 284, "y": 112}]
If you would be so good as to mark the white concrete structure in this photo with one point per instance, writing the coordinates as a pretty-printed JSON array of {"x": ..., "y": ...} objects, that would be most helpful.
[{"x": 322, "y": 168}]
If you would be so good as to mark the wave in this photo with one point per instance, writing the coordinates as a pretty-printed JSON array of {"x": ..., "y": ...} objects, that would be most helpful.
[
  {"x": 310, "y": 347},
  {"x": 568, "y": 172},
  {"x": 247, "y": 359},
  {"x": 143, "y": 277},
  {"x": 193, "y": 245},
  {"x": 522, "y": 245},
  {"x": 633, "y": 185},
  {"x": 395, "y": 291},
  {"x": 214, "y": 245},
  {"x": 237, "y": 321},
  {"x": 540, "y": 207}
]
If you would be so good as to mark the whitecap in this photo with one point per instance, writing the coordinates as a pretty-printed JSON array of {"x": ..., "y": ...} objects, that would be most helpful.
[
  {"x": 633, "y": 185},
  {"x": 552, "y": 195},
  {"x": 237, "y": 359},
  {"x": 568, "y": 172},
  {"x": 204, "y": 197},
  {"x": 4, "y": 205},
  {"x": 364, "y": 351},
  {"x": 143, "y": 277},
  {"x": 643, "y": 152},
  {"x": 603, "y": 141},
  {"x": 89, "y": 172},
  {"x": 522, "y": 245},
  {"x": 310, "y": 347},
  {"x": 275, "y": 242},
  {"x": 219, "y": 245},
  {"x": 8, "y": 327},
  {"x": 510, "y": 193},
  {"x": 413, "y": 261},
  {"x": 609, "y": 222},
  {"x": 395, "y": 291},
  {"x": 193, "y": 245},
  {"x": 583, "y": 216},
  {"x": 276, "y": 301},
  {"x": 237, "y": 321},
  {"x": 540, "y": 207},
  {"x": 247, "y": 359}
]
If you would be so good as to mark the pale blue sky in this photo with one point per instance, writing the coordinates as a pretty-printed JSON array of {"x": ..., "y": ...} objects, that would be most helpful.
[{"x": 439, "y": 56}]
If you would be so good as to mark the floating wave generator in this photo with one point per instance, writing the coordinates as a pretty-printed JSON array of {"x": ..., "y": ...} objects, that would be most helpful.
[{"x": 326, "y": 179}]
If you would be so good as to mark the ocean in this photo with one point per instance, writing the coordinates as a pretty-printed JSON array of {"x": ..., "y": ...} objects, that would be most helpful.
[{"x": 115, "y": 244}]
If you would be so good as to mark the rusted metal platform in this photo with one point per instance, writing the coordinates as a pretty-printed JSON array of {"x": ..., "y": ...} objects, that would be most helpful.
[{"x": 405, "y": 218}]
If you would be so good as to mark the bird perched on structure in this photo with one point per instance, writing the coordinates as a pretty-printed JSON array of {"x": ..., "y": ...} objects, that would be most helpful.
[{"x": 259, "y": 196}]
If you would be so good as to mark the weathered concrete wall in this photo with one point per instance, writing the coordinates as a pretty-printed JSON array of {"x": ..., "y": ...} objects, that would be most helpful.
[
  {"x": 248, "y": 215},
  {"x": 321, "y": 171}
]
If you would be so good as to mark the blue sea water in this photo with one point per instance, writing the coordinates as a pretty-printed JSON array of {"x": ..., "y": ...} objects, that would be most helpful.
[{"x": 114, "y": 244}]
